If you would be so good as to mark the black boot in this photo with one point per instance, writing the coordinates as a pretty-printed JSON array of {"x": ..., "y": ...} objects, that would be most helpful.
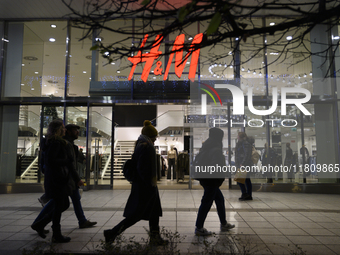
[
  {"x": 242, "y": 197},
  {"x": 40, "y": 225},
  {"x": 248, "y": 197},
  {"x": 155, "y": 237},
  {"x": 58, "y": 237},
  {"x": 110, "y": 235}
]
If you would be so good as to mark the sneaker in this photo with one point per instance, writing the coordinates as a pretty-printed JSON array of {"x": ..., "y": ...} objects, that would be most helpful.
[
  {"x": 202, "y": 232},
  {"x": 87, "y": 224},
  {"x": 227, "y": 226}
]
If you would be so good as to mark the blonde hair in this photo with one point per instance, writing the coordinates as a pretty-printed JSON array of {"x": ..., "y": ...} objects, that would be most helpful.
[{"x": 53, "y": 130}]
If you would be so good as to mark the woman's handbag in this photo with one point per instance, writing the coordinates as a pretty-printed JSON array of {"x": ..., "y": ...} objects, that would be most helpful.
[{"x": 240, "y": 176}]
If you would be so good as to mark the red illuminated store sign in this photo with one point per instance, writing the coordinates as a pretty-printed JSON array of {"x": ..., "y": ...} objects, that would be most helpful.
[{"x": 154, "y": 53}]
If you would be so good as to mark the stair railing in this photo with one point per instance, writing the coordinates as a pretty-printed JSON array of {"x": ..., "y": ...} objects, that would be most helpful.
[
  {"x": 169, "y": 118},
  {"x": 28, "y": 152},
  {"x": 108, "y": 161},
  {"x": 29, "y": 167}
]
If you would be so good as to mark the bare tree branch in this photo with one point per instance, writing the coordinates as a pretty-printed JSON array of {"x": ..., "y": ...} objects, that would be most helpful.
[{"x": 236, "y": 20}]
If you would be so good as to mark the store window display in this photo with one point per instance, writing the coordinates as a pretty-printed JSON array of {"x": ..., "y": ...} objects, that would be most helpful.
[{"x": 172, "y": 158}]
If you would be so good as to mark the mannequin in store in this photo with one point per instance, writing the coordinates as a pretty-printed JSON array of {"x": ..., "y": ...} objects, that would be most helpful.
[
  {"x": 289, "y": 161},
  {"x": 172, "y": 158}
]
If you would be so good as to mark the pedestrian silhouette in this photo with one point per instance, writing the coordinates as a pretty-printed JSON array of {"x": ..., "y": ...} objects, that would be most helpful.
[
  {"x": 57, "y": 165},
  {"x": 212, "y": 149},
  {"x": 144, "y": 202}
]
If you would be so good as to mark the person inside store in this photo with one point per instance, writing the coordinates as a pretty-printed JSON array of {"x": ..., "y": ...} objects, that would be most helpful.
[
  {"x": 212, "y": 154},
  {"x": 304, "y": 154},
  {"x": 144, "y": 201},
  {"x": 45, "y": 215},
  {"x": 289, "y": 161},
  {"x": 269, "y": 159},
  {"x": 57, "y": 167},
  {"x": 243, "y": 152}
]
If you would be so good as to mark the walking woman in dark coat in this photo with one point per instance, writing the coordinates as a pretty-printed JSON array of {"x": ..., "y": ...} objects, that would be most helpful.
[
  {"x": 243, "y": 158},
  {"x": 57, "y": 165},
  {"x": 144, "y": 202}
]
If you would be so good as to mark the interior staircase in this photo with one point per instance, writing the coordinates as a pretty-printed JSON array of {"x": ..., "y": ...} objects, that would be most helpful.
[
  {"x": 123, "y": 151},
  {"x": 29, "y": 168}
]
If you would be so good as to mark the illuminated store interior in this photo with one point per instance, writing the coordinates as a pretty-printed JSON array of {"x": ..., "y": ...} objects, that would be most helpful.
[{"x": 49, "y": 73}]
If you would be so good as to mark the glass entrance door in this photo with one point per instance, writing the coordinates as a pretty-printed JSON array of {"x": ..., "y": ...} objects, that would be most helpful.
[
  {"x": 100, "y": 142},
  {"x": 94, "y": 143}
]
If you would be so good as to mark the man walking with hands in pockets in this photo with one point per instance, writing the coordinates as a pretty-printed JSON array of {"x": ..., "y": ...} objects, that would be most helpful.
[{"x": 212, "y": 151}]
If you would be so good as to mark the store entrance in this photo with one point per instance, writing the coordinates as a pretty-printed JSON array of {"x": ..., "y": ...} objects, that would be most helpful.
[
  {"x": 105, "y": 145},
  {"x": 94, "y": 141},
  {"x": 96, "y": 134}
]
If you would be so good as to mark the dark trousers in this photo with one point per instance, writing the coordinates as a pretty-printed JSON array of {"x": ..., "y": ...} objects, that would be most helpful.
[
  {"x": 211, "y": 194},
  {"x": 247, "y": 187},
  {"x": 78, "y": 210},
  {"x": 47, "y": 210},
  {"x": 60, "y": 205},
  {"x": 171, "y": 167}
]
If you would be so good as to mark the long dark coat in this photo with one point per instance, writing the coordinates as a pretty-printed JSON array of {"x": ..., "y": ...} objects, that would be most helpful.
[
  {"x": 269, "y": 157},
  {"x": 144, "y": 201},
  {"x": 289, "y": 157},
  {"x": 57, "y": 163}
]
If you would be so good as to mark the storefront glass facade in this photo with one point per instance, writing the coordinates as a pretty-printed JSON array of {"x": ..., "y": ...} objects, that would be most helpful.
[{"x": 49, "y": 73}]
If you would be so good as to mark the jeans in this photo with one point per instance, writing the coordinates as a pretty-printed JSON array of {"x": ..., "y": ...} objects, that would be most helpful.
[
  {"x": 247, "y": 187},
  {"x": 171, "y": 167},
  {"x": 78, "y": 210},
  {"x": 211, "y": 194},
  {"x": 48, "y": 209}
]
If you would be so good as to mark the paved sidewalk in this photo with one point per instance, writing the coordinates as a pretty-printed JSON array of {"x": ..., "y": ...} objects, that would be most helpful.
[{"x": 273, "y": 222}]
